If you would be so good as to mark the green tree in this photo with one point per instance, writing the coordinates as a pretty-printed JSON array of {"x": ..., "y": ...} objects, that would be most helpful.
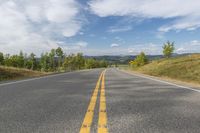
[
  {"x": 80, "y": 61},
  {"x": 52, "y": 59},
  {"x": 7, "y": 61},
  {"x": 14, "y": 61},
  {"x": 44, "y": 62},
  {"x": 47, "y": 61},
  {"x": 70, "y": 63},
  {"x": 168, "y": 49},
  {"x": 140, "y": 60},
  {"x": 59, "y": 53},
  {"x": 32, "y": 60},
  {"x": 66, "y": 63},
  {"x": 1, "y": 58},
  {"x": 103, "y": 63},
  {"x": 20, "y": 59},
  {"x": 91, "y": 63}
]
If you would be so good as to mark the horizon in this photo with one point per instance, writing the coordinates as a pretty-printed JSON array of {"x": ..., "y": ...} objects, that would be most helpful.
[
  {"x": 98, "y": 28},
  {"x": 111, "y": 55}
]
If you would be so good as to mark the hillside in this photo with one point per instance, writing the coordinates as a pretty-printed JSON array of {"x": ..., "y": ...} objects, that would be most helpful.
[
  {"x": 11, "y": 73},
  {"x": 120, "y": 59},
  {"x": 185, "y": 68},
  {"x": 125, "y": 59}
]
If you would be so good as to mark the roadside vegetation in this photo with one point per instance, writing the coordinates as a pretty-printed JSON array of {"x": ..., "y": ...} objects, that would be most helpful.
[
  {"x": 184, "y": 68},
  {"x": 11, "y": 73},
  {"x": 23, "y": 65},
  {"x": 139, "y": 61}
]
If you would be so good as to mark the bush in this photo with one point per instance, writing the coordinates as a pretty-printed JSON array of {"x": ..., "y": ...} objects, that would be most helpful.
[{"x": 140, "y": 60}]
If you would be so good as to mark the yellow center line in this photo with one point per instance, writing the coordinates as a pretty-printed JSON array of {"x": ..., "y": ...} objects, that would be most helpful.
[
  {"x": 87, "y": 122},
  {"x": 102, "y": 123}
]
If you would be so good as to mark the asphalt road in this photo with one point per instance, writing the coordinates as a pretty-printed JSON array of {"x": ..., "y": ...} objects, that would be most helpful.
[{"x": 117, "y": 103}]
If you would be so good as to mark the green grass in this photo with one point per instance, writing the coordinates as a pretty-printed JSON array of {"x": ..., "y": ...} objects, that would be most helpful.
[
  {"x": 185, "y": 68},
  {"x": 11, "y": 73}
]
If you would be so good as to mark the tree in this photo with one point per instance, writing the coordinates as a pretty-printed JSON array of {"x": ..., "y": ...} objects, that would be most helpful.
[
  {"x": 52, "y": 59},
  {"x": 47, "y": 61},
  {"x": 59, "y": 53},
  {"x": 44, "y": 62},
  {"x": 92, "y": 63},
  {"x": 32, "y": 60},
  {"x": 168, "y": 49},
  {"x": 140, "y": 60},
  {"x": 103, "y": 63},
  {"x": 20, "y": 59},
  {"x": 7, "y": 61},
  {"x": 80, "y": 61},
  {"x": 66, "y": 63},
  {"x": 1, "y": 58}
]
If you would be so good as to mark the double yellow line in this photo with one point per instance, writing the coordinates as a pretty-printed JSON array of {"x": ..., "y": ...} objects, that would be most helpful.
[{"x": 102, "y": 122}]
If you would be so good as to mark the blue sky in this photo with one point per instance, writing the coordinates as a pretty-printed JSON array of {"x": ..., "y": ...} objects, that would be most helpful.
[{"x": 99, "y": 27}]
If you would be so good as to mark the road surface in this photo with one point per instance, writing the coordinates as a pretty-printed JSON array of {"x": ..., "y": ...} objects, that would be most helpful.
[{"x": 98, "y": 101}]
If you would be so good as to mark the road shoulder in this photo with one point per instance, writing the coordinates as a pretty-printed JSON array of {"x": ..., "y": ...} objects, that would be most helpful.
[{"x": 164, "y": 79}]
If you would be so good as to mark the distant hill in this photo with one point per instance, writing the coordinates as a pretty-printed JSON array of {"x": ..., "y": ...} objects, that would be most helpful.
[{"x": 119, "y": 59}]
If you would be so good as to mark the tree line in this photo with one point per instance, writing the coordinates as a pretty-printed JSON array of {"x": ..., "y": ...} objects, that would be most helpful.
[
  {"x": 52, "y": 61},
  {"x": 142, "y": 58}
]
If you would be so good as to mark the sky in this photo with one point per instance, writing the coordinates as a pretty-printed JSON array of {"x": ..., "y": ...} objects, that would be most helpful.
[{"x": 99, "y": 27}]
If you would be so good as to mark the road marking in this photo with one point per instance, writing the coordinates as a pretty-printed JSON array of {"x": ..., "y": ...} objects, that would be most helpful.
[
  {"x": 161, "y": 81},
  {"x": 102, "y": 123},
  {"x": 87, "y": 122}
]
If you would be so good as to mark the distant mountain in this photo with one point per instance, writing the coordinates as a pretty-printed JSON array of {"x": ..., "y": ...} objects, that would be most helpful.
[{"x": 119, "y": 59}]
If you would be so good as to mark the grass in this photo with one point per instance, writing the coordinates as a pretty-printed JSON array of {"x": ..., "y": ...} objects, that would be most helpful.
[
  {"x": 185, "y": 68},
  {"x": 11, "y": 73}
]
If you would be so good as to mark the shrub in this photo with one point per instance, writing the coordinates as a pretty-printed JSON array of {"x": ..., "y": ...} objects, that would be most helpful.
[{"x": 140, "y": 60}]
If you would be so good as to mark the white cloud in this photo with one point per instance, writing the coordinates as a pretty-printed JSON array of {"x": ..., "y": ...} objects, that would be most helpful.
[
  {"x": 149, "y": 48},
  {"x": 75, "y": 47},
  {"x": 82, "y": 44},
  {"x": 114, "y": 45},
  {"x": 185, "y": 13},
  {"x": 131, "y": 50},
  {"x": 181, "y": 50},
  {"x": 32, "y": 26},
  {"x": 195, "y": 43},
  {"x": 189, "y": 47},
  {"x": 135, "y": 49},
  {"x": 119, "y": 29}
]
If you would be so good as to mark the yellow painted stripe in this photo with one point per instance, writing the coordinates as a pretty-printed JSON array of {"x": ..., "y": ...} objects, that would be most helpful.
[
  {"x": 87, "y": 122},
  {"x": 102, "y": 123}
]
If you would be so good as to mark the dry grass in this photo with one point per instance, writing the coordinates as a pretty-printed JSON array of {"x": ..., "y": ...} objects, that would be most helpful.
[
  {"x": 11, "y": 73},
  {"x": 186, "y": 68}
]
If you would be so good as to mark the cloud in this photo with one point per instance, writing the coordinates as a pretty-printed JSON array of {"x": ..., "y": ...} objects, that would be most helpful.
[
  {"x": 82, "y": 44},
  {"x": 120, "y": 29},
  {"x": 181, "y": 50},
  {"x": 195, "y": 43},
  {"x": 114, "y": 45},
  {"x": 73, "y": 47},
  {"x": 184, "y": 14},
  {"x": 35, "y": 25},
  {"x": 148, "y": 48},
  {"x": 189, "y": 47},
  {"x": 135, "y": 49}
]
